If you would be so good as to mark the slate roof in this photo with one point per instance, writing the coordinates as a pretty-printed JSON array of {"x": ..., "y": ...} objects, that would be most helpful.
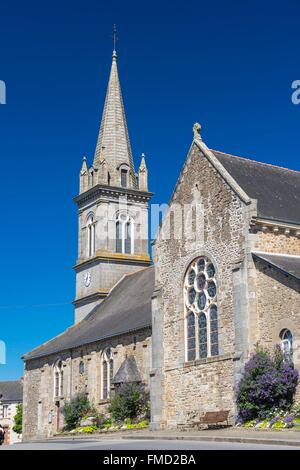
[
  {"x": 11, "y": 391},
  {"x": 276, "y": 189},
  {"x": 127, "y": 308},
  {"x": 128, "y": 372},
  {"x": 286, "y": 264}
]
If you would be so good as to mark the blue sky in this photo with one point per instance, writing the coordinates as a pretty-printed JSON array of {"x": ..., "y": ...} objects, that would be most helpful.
[{"x": 227, "y": 64}]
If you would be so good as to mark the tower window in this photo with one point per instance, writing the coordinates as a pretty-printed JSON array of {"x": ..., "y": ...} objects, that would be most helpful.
[
  {"x": 124, "y": 234},
  {"x": 201, "y": 310},
  {"x": 124, "y": 178},
  {"x": 91, "y": 236}
]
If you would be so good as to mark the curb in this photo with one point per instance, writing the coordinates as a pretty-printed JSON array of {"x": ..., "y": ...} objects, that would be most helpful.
[{"x": 240, "y": 440}]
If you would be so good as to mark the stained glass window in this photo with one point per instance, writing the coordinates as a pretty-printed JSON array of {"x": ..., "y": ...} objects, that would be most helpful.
[
  {"x": 192, "y": 296},
  {"x": 210, "y": 270},
  {"x": 202, "y": 336},
  {"x": 191, "y": 340},
  {"x": 104, "y": 381},
  {"x": 214, "y": 331},
  {"x": 201, "y": 310},
  {"x": 201, "y": 300},
  {"x": 201, "y": 264},
  {"x": 191, "y": 277},
  {"x": 201, "y": 281},
  {"x": 212, "y": 289}
]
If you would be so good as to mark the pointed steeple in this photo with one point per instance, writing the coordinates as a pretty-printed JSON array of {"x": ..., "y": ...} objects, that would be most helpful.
[
  {"x": 143, "y": 175},
  {"x": 113, "y": 134},
  {"x": 84, "y": 176}
]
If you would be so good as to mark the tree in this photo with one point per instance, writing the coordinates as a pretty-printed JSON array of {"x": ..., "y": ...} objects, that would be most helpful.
[
  {"x": 18, "y": 419},
  {"x": 130, "y": 401},
  {"x": 269, "y": 382},
  {"x": 75, "y": 410}
]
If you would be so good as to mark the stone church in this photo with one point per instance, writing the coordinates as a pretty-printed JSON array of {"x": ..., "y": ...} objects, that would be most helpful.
[{"x": 225, "y": 276}]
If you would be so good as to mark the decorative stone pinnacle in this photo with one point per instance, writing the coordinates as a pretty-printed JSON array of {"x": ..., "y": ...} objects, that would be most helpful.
[{"x": 197, "y": 131}]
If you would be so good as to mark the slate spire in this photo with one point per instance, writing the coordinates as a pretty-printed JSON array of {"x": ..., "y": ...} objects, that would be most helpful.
[{"x": 113, "y": 133}]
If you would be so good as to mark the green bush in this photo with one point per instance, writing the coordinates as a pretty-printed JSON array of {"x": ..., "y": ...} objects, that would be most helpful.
[
  {"x": 130, "y": 401},
  {"x": 75, "y": 410},
  {"x": 107, "y": 423},
  {"x": 18, "y": 419}
]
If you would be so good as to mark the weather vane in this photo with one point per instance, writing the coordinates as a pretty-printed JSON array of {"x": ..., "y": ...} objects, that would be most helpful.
[{"x": 114, "y": 36}]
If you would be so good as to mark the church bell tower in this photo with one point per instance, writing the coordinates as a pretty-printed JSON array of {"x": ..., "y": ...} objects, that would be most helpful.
[{"x": 112, "y": 208}]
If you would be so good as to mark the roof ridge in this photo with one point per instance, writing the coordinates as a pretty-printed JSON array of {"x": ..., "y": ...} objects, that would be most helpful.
[
  {"x": 138, "y": 271},
  {"x": 262, "y": 253},
  {"x": 255, "y": 161}
]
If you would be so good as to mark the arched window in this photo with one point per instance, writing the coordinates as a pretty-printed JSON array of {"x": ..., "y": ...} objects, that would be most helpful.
[
  {"x": 107, "y": 373},
  {"x": 91, "y": 235},
  {"x": 201, "y": 310},
  {"x": 124, "y": 234},
  {"x": 58, "y": 379},
  {"x": 287, "y": 343}
]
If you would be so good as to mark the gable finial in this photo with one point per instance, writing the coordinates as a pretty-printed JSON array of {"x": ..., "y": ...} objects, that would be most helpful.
[
  {"x": 115, "y": 38},
  {"x": 197, "y": 131}
]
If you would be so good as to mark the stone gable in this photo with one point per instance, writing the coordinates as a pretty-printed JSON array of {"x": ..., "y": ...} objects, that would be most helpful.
[{"x": 207, "y": 384}]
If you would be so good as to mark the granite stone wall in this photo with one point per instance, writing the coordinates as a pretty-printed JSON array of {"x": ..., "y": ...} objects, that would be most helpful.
[
  {"x": 41, "y": 407},
  {"x": 190, "y": 389}
]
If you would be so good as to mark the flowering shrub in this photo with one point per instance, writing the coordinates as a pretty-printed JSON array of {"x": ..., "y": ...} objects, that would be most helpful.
[{"x": 268, "y": 385}]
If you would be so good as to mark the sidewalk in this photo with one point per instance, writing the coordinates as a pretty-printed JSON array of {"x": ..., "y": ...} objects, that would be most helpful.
[{"x": 240, "y": 435}]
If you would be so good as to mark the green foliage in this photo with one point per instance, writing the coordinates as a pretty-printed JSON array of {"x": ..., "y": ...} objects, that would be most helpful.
[
  {"x": 89, "y": 429},
  {"x": 278, "y": 425},
  {"x": 107, "y": 423},
  {"x": 143, "y": 424},
  {"x": 18, "y": 419},
  {"x": 75, "y": 410},
  {"x": 250, "y": 424},
  {"x": 130, "y": 401},
  {"x": 263, "y": 424}
]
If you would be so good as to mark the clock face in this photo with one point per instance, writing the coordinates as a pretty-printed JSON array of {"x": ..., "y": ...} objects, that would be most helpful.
[{"x": 87, "y": 279}]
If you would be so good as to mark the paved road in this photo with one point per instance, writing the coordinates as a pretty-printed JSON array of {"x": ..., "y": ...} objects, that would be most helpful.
[{"x": 122, "y": 444}]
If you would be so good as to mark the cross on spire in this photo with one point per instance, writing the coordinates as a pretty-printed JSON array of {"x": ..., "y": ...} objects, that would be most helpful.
[{"x": 115, "y": 37}]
